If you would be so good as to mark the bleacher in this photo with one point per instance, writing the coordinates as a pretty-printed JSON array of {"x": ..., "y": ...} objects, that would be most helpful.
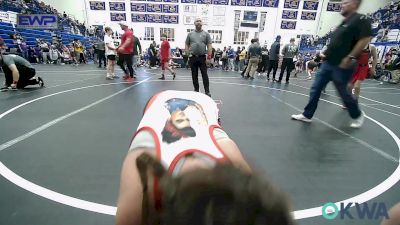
[
  {"x": 31, "y": 36},
  {"x": 388, "y": 17}
]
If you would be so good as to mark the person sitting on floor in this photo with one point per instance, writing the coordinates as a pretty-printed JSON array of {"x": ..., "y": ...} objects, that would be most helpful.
[{"x": 18, "y": 72}]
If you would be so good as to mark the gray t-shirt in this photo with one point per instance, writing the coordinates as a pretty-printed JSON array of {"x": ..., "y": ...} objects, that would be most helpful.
[
  {"x": 289, "y": 51},
  {"x": 9, "y": 60},
  {"x": 198, "y": 41},
  {"x": 274, "y": 51},
  {"x": 254, "y": 50},
  {"x": 101, "y": 46}
]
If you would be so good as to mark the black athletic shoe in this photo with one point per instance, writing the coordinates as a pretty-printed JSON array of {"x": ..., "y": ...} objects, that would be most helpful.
[
  {"x": 208, "y": 94},
  {"x": 4, "y": 89},
  {"x": 161, "y": 78},
  {"x": 41, "y": 82}
]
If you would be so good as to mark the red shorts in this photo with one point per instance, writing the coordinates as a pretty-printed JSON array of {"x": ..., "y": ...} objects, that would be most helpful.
[
  {"x": 163, "y": 61},
  {"x": 360, "y": 73}
]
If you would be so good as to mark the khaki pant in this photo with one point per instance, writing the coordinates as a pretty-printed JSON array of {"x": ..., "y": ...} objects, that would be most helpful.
[
  {"x": 395, "y": 76},
  {"x": 252, "y": 67}
]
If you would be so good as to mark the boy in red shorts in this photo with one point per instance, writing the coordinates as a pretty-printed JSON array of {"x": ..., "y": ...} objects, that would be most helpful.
[{"x": 165, "y": 56}]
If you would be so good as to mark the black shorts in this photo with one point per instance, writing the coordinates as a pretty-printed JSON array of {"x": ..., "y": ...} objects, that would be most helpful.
[{"x": 111, "y": 57}]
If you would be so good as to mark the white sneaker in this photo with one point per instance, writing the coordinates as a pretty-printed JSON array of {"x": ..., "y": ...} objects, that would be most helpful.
[
  {"x": 109, "y": 77},
  {"x": 114, "y": 76},
  {"x": 357, "y": 123},
  {"x": 301, "y": 117}
]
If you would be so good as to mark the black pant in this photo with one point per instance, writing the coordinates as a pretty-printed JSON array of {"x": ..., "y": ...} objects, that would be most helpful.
[
  {"x": 25, "y": 76},
  {"x": 263, "y": 65},
  {"x": 126, "y": 58},
  {"x": 102, "y": 57},
  {"x": 197, "y": 62},
  {"x": 273, "y": 64},
  {"x": 153, "y": 61},
  {"x": 287, "y": 64},
  {"x": 82, "y": 58}
]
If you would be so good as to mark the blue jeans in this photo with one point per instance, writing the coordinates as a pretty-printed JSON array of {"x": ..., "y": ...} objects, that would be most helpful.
[{"x": 340, "y": 78}]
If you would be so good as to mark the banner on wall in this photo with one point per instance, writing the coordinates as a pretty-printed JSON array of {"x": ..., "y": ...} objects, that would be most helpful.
[
  {"x": 189, "y": 1},
  {"x": 138, "y": 7},
  {"x": 117, "y": 6},
  {"x": 154, "y": 8},
  {"x": 289, "y": 14},
  {"x": 254, "y": 3},
  {"x": 140, "y": 18},
  {"x": 37, "y": 21},
  {"x": 205, "y": 2},
  {"x": 220, "y": 2},
  {"x": 96, "y": 5},
  {"x": 118, "y": 16},
  {"x": 170, "y": 8},
  {"x": 291, "y": 4},
  {"x": 308, "y": 15},
  {"x": 171, "y": 19},
  {"x": 262, "y": 22},
  {"x": 310, "y": 5},
  {"x": 154, "y": 18},
  {"x": 288, "y": 25},
  {"x": 236, "y": 23},
  {"x": 333, "y": 7},
  {"x": 238, "y": 2},
  {"x": 270, "y": 3}
]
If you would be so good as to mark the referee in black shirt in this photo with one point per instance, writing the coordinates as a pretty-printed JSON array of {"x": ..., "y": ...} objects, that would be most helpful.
[{"x": 347, "y": 42}]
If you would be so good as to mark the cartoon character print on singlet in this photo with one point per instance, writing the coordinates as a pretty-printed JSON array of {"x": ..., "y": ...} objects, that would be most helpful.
[{"x": 183, "y": 114}]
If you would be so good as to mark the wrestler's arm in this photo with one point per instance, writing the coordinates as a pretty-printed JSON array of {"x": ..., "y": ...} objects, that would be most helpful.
[
  {"x": 394, "y": 216},
  {"x": 15, "y": 72},
  {"x": 129, "y": 206},
  {"x": 233, "y": 153}
]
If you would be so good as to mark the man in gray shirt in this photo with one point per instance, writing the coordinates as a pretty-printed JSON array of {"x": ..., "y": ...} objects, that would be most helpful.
[
  {"x": 274, "y": 57},
  {"x": 254, "y": 55},
  {"x": 198, "y": 44},
  {"x": 288, "y": 52},
  {"x": 18, "y": 72}
]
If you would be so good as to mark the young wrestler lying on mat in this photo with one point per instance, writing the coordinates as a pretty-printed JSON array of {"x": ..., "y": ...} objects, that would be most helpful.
[{"x": 183, "y": 169}]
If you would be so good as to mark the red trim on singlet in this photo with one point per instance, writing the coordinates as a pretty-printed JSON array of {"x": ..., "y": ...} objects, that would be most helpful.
[
  {"x": 154, "y": 135},
  {"x": 156, "y": 188},
  {"x": 211, "y": 131},
  {"x": 151, "y": 101}
]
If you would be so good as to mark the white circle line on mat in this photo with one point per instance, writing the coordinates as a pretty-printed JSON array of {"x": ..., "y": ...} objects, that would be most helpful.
[{"x": 111, "y": 210}]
